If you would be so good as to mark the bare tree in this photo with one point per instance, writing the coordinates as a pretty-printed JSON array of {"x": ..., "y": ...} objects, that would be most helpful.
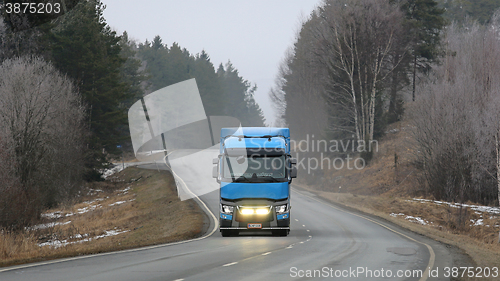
[
  {"x": 41, "y": 117},
  {"x": 298, "y": 92},
  {"x": 276, "y": 93},
  {"x": 457, "y": 121},
  {"x": 355, "y": 43},
  {"x": 13, "y": 208}
]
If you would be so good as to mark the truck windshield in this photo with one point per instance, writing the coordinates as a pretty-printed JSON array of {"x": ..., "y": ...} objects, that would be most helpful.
[{"x": 254, "y": 168}]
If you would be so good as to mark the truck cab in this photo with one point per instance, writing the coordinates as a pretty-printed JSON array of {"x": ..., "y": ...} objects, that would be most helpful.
[{"x": 254, "y": 169}]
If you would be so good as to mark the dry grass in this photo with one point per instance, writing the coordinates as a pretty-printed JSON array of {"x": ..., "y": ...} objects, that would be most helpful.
[
  {"x": 382, "y": 176},
  {"x": 140, "y": 206},
  {"x": 384, "y": 187}
]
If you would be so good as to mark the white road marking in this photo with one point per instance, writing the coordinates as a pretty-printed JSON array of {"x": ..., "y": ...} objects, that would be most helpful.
[
  {"x": 216, "y": 221},
  {"x": 229, "y": 264},
  {"x": 265, "y": 254},
  {"x": 432, "y": 257}
]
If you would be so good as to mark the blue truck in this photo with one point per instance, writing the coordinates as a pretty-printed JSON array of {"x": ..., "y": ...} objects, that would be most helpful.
[{"x": 254, "y": 168}]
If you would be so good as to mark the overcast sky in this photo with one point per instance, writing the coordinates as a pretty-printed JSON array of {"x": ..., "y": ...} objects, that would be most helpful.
[{"x": 253, "y": 34}]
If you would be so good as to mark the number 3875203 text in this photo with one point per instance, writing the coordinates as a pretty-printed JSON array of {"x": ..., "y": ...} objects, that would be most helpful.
[{"x": 32, "y": 8}]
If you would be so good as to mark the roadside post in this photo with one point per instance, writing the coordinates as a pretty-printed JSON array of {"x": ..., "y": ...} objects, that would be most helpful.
[{"x": 123, "y": 162}]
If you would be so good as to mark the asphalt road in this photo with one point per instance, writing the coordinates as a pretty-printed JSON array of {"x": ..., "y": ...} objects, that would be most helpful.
[{"x": 325, "y": 241}]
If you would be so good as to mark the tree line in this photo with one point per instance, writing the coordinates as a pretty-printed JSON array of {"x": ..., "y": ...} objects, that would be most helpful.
[
  {"x": 66, "y": 83},
  {"x": 223, "y": 91},
  {"x": 358, "y": 66},
  {"x": 350, "y": 64}
]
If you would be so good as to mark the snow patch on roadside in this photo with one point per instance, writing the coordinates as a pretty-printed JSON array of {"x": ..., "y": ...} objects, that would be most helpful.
[
  {"x": 120, "y": 202},
  {"x": 491, "y": 212},
  {"x": 124, "y": 191},
  {"x": 477, "y": 208},
  {"x": 83, "y": 238},
  {"x": 117, "y": 203},
  {"x": 93, "y": 201},
  {"x": 47, "y": 225},
  {"x": 411, "y": 218},
  {"x": 478, "y": 222},
  {"x": 116, "y": 169},
  {"x": 54, "y": 215},
  {"x": 88, "y": 209}
]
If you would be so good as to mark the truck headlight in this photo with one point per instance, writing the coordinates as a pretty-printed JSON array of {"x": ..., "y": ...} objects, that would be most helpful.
[
  {"x": 226, "y": 209},
  {"x": 262, "y": 211},
  {"x": 281, "y": 209},
  {"x": 246, "y": 211},
  {"x": 255, "y": 211}
]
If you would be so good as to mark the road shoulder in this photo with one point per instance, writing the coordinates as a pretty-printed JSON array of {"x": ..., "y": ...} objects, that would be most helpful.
[
  {"x": 134, "y": 208},
  {"x": 447, "y": 254}
]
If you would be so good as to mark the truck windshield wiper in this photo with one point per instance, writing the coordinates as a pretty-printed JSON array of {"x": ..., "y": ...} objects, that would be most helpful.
[
  {"x": 270, "y": 177},
  {"x": 242, "y": 178},
  {"x": 255, "y": 179}
]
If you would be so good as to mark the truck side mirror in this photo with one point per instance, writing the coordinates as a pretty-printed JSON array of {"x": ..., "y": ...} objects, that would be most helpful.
[
  {"x": 215, "y": 161},
  {"x": 293, "y": 172},
  {"x": 293, "y": 161},
  {"x": 215, "y": 172}
]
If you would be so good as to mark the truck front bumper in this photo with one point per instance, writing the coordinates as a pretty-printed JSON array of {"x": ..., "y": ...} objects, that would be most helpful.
[
  {"x": 245, "y": 228},
  {"x": 271, "y": 221}
]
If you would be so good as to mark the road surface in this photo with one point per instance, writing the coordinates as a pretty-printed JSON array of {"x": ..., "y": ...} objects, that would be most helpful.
[{"x": 325, "y": 242}]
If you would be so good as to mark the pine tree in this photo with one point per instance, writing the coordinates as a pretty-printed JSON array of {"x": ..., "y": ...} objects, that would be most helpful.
[
  {"x": 210, "y": 89},
  {"x": 424, "y": 22},
  {"x": 460, "y": 10},
  {"x": 155, "y": 61},
  {"x": 238, "y": 97},
  {"x": 87, "y": 50},
  {"x": 179, "y": 65},
  {"x": 132, "y": 72}
]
